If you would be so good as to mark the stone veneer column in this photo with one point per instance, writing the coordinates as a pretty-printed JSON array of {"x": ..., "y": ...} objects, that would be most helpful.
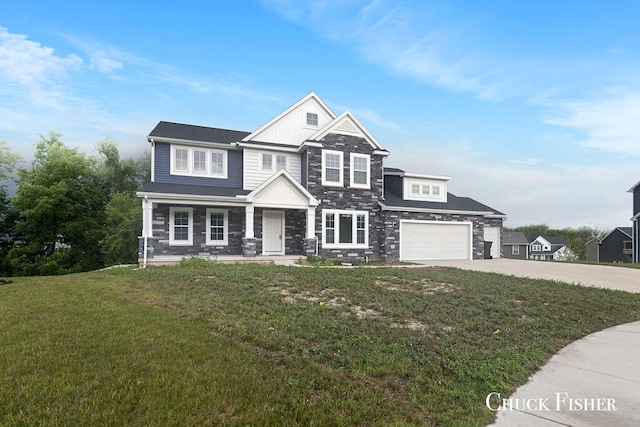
[{"x": 249, "y": 247}]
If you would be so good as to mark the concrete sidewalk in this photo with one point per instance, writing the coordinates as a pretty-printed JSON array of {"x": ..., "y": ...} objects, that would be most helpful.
[{"x": 594, "y": 381}]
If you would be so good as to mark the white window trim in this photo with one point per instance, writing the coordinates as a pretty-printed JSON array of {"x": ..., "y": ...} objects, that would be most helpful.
[
  {"x": 324, "y": 169},
  {"x": 515, "y": 250},
  {"x": 261, "y": 162},
  {"x": 536, "y": 248},
  {"x": 352, "y": 158},
  {"x": 190, "y": 171},
  {"x": 306, "y": 123},
  {"x": 225, "y": 241},
  {"x": 172, "y": 241},
  {"x": 274, "y": 161},
  {"x": 338, "y": 245}
]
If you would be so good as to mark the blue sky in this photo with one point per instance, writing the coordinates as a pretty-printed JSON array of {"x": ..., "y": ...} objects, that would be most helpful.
[{"x": 531, "y": 107}]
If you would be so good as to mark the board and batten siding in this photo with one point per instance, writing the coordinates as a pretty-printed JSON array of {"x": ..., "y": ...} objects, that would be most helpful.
[
  {"x": 254, "y": 176},
  {"x": 163, "y": 169}
]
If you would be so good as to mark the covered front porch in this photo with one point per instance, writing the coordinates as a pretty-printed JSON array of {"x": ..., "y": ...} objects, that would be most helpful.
[{"x": 277, "y": 219}]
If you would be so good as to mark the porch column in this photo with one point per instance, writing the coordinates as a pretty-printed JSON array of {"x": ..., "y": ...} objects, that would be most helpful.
[
  {"x": 248, "y": 231},
  {"x": 311, "y": 223}
]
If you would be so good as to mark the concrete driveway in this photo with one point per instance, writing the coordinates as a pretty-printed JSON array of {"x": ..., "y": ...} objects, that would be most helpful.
[{"x": 602, "y": 276}]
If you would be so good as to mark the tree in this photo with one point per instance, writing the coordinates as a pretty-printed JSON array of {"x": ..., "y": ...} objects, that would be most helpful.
[
  {"x": 123, "y": 213},
  {"x": 62, "y": 204},
  {"x": 122, "y": 228},
  {"x": 8, "y": 161},
  {"x": 8, "y": 213}
]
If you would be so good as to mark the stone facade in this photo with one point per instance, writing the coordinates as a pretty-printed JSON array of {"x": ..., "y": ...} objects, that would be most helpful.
[
  {"x": 345, "y": 197},
  {"x": 392, "y": 231}
]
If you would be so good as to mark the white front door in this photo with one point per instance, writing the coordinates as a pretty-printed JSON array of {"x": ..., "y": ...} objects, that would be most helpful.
[{"x": 273, "y": 233}]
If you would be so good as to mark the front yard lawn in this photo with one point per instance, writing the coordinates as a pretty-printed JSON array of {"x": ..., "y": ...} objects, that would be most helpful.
[{"x": 216, "y": 344}]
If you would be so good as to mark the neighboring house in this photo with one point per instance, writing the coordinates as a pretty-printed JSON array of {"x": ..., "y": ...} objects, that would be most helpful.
[
  {"x": 635, "y": 232},
  {"x": 614, "y": 247},
  {"x": 549, "y": 248},
  {"x": 308, "y": 182},
  {"x": 515, "y": 245}
]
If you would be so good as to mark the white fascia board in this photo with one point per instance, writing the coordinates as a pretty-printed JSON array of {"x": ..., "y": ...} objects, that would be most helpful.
[
  {"x": 266, "y": 147},
  {"x": 192, "y": 199},
  {"x": 633, "y": 188},
  {"x": 225, "y": 145},
  {"x": 425, "y": 176},
  {"x": 381, "y": 153},
  {"x": 435, "y": 211},
  {"x": 306, "y": 144},
  {"x": 347, "y": 114},
  {"x": 287, "y": 112},
  {"x": 312, "y": 200}
]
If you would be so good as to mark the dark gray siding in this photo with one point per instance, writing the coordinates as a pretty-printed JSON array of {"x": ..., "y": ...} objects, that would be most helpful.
[
  {"x": 163, "y": 169},
  {"x": 636, "y": 200},
  {"x": 393, "y": 184},
  {"x": 611, "y": 248}
]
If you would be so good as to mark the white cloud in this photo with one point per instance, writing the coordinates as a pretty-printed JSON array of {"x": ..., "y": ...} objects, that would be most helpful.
[
  {"x": 31, "y": 66},
  {"x": 610, "y": 121}
]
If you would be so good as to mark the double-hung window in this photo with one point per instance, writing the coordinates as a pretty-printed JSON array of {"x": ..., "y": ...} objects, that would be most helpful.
[
  {"x": 191, "y": 161},
  {"x": 199, "y": 161},
  {"x": 181, "y": 160},
  {"x": 272, "y": 162},
  {"x": 332, "y": 168},
  {"x": 217, "y": 227},
  {"x": 360, "y": 170},
  {"x": 515, "y": 250},
  {"x": 180, "y": 226},
  {"x": 345, "y": 229}
]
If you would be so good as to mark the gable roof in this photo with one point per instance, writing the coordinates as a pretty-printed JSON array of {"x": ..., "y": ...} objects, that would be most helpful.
[
  {"x": 183, "y": 132},
  {"x": 624, "y": 230},
  {"x": 312, "y": 101},
  {"x": 347, "y": 124},
  {"x": 282, "y": 190},
  {"x": 514, "y": 238}
]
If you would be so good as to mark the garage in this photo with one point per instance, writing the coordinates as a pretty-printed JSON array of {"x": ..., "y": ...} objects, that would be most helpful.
[
  {"x": 435, "y": 240},
  {"x": 492, "y": 234}
]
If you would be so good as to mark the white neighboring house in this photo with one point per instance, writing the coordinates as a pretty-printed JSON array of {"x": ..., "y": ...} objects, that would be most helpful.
[{"x": 550, "y": 248}]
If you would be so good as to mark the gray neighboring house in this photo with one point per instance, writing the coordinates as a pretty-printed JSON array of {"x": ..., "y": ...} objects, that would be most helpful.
[
  {"x": 515, "y": 245},
  {"x": 615, "y": 247}
]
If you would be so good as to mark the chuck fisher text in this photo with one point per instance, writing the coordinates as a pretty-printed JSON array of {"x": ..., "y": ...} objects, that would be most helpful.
[{"x": 561, "y": 402}]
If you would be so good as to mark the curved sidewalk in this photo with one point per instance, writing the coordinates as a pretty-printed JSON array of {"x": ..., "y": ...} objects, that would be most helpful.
[{"x": 594, "y": 381}]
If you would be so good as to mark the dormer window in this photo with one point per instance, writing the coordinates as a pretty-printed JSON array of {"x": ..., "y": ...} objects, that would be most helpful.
[
  {"x": 312, "y": 120},
  {"x": 190, "y": 161}
]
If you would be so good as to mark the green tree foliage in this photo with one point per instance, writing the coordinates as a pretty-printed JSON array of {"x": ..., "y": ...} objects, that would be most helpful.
[
  {"x": 8, "y": 213},
  {"x": 8, "y": 160},
  {"x": 76, "y": 212},
  {"x": 62, "y": 208},
  {"x": 122, "y": 228}
]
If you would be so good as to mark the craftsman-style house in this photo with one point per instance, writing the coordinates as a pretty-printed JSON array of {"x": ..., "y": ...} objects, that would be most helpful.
[{"x": 308, "y": 182}]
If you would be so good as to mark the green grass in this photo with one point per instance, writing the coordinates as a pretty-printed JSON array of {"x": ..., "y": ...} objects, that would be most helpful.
[{"x": 215, "y": 344}]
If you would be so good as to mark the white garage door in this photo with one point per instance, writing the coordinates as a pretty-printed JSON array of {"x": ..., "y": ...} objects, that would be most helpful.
[{"x": 423, "y": 240}]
